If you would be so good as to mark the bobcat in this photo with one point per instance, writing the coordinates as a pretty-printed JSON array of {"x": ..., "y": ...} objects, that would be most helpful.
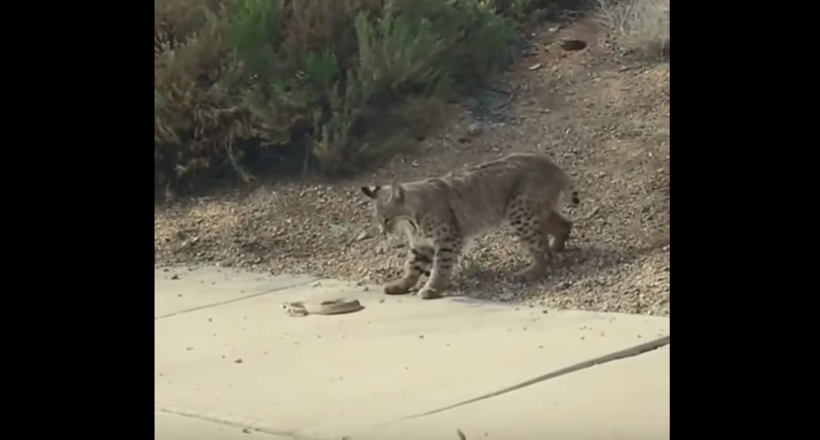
[{"x": 438, "y": 214}]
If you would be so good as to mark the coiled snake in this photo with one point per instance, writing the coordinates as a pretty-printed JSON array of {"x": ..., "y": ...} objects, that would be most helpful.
[{"x": 327, "y": 307}]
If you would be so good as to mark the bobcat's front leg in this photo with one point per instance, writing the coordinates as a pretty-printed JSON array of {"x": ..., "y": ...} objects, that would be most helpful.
[
  {"x": 444, "y": 260},
  {"x": 418, "y": 262}
]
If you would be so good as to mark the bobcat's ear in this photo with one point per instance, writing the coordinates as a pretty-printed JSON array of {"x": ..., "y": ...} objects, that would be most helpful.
[{"x": 370, "y": 191}]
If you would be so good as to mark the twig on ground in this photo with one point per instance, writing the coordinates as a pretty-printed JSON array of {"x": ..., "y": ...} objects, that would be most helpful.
[{"x": 504, "y": 104}]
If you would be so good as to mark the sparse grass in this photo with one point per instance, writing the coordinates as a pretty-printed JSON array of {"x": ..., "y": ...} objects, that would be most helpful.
[
  {"x": 638, "y": 25},
  {"x": 338, "y": 79}
]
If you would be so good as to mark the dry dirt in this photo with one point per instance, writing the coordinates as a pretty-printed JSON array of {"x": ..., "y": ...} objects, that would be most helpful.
[{"x": 602, "y": 117}]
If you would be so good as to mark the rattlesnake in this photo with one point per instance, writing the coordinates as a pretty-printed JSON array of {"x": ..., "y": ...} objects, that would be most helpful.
[{"x": 327, "y": 307}]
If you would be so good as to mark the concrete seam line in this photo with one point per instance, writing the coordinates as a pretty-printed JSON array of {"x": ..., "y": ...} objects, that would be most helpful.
[
  {"x": 625, "y": 353},
  {"x": 222, "y": 303},
  {"x": 288, "y": 435}
]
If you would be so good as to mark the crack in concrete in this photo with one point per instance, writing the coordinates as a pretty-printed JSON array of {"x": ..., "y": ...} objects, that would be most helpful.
[
  {"x": 242, "y": 298},
  {"x": 625, "y": 353},
  {"x": 284, "y": 435},
  {"x": 289, "y": 435}
]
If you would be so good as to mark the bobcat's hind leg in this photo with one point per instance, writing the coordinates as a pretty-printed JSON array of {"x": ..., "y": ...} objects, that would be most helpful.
[
  {"x": 560, "y": 228},
  {"x": 529, "y": 223}
]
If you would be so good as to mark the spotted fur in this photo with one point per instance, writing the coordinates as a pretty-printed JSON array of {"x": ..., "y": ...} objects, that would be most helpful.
[{"x": 439, "y": 214}]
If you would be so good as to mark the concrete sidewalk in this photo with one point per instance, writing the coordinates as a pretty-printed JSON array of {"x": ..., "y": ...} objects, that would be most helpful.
[{"x": 230, "y": 362}]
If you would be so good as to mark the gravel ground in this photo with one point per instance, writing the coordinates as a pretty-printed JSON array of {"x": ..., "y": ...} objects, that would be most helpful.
[{"x": 603, "y": 118}]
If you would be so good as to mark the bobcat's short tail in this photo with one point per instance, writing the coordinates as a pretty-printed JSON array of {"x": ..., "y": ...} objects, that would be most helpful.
[
  {"x": 574, "y": 199},
  {"x": 570, "y": 194}
]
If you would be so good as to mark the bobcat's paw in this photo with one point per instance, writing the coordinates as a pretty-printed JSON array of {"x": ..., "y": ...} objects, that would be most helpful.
[
  {"x": 397, "y": 288},
  {"x": 429, "y": 293}
]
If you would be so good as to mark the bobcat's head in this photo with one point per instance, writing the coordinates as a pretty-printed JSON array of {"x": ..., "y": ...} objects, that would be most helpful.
[{"x": 389, "y": 206}]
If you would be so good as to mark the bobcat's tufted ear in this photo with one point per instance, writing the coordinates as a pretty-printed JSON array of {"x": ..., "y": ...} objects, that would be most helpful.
[{"x": 370, "y": 191}]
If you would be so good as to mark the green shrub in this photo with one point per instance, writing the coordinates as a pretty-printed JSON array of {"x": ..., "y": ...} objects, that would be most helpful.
[
  {"x": 197, "y": 119},
  {"x": 337, "y": 78},
  {"x": 254, "y": 31}
]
